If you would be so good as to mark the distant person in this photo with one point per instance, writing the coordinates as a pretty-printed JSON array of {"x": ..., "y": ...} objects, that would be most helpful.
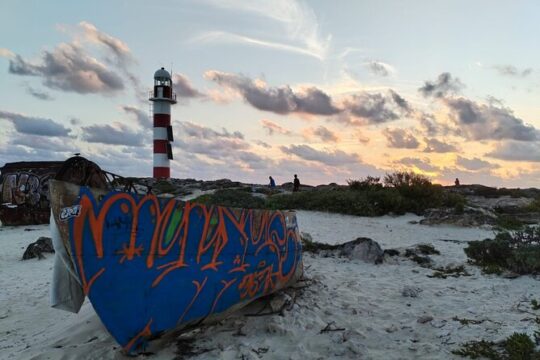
[
  {"x": 456, "y": 182},
  {"x": 272, "y": 182},
  {"x": 296, "y": 183}
]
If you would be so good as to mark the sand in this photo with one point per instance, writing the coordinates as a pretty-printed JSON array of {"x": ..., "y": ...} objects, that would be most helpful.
[{"x": 363, "y": 303}]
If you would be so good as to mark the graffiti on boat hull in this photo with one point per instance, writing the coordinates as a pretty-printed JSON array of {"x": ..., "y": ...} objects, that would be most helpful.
[{"x": 150, "y": 265}]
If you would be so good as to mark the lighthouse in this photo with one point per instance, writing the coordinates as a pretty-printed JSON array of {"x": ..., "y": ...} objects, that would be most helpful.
[{"x": 162, "y": 98}]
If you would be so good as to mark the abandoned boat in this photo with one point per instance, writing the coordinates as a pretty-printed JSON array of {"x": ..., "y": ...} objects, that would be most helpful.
[{"x": 150, "y": 264}]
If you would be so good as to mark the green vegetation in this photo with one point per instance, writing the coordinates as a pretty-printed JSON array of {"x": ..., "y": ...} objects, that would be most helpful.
[
  {"x": 508, "y": 222},
  {"x": 534, "y": 206},
  {"x": 308, "y": 245},
  {"x": 399, "y": 193},
  {"x": 518, "y": 251},
  {"x": 238, "y": 198},
  {"x": 520, "y": 347},
  {"x": 478, "y": 349},
  {"x": 465, "y": 321},
  {"x": 517, "y": 346},
  {"x": 535, "y": 304},
  {"x": 164, "y": 186},
  {"x": 427, "y": 249},
  {"x": 492, "y": 192},
  {"x": 449, "y": 271}
]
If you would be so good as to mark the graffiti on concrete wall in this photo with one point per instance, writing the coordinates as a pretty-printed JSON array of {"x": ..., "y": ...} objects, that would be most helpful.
[
  {"x": 26, "y": 188},
  {"x": 148, "y": 265},
  {"x": 24, "y": 192}
]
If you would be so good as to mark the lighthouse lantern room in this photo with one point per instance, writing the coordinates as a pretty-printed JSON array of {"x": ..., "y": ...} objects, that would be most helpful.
[{"x": 162, "y": 98}]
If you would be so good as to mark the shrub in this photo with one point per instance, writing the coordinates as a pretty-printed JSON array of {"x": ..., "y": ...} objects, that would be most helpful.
[
  {"x": 519, "y": 347},
  {"x": 518, "y": 252},
  {"x": 164, "y": 186},
  {"x": 369, "y": 183},
  {"x": 364, "y": 197},
  {"x": 232, "y": 198},
  {"x": 534, "y": 206},
  {"x": 508, "y": 222}
]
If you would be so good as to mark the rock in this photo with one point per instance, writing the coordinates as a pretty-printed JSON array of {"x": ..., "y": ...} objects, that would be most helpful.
[
  {"x": 510, "y": 275},
  {"x": 37, "y": 248},
  {"x": 278, "y": 301},
  {"x": 391, "y": 252},
  {"x": 470, "y": 217},
  {"x": 364, "y": 249},
  {"x": 424, "y": 319},
  {"x": 393, "y": 328},
  {"x": 411, "y": 291}
]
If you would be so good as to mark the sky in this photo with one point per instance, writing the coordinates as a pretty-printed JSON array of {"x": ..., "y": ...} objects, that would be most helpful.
[{"x": 327, "y": 90}]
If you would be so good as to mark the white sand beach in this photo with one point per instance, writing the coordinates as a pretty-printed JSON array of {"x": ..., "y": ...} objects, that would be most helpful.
[{"x": 350, "y": 310}]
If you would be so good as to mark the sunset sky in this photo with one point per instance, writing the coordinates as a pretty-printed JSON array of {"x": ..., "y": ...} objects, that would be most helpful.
[{"x": 328, "y": 90}]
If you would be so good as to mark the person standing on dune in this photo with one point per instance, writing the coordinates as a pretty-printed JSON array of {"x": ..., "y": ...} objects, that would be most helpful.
[{"x": 296, "y": 183}]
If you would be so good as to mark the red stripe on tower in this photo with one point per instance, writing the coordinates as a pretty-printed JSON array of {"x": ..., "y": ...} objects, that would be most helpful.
[{"x": 162, "y": 98}]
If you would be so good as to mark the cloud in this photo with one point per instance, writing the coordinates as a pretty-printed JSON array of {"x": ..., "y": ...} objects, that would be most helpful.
[
  {"x": 361, "y": 137},
  {"x": 400, "y": 139},
  {"x": 328, "y": 157},
  {"x": 325, "y": 134},
  {"x": 297, "y": 22},
  {"x": 442, "y": 87},
  {"x": 474, "y": 164},
  {"x": 119, "y": 48},
  {"x": 226, "y": 148},
  {"x": 280, "y": 100},
  {"x": 516, "y": 151},
  {"x": 41, "y": 95},
  {"x": 183, "y": 87},
  {"x": 203, "y": 132},
  {"x": 6, "y": 53},
  {"x": 511, "y": 70},
  {"x": 431, "y": 126},
  {"x": 434, "y": 145},
  {"x": 379, "y": 68},
  {"x": 482, "y": 122},
  {"x": 35, "y": 142},
  {"x": 69, "y": 68},
  {"x": 361, "y": 108},
  {"x": 118, "y": 134},
  {"x": 273, "y": 128},
  {"x": 12, "y": 153},
  {"x": 227, "y": 37},
  {"x": 142, "y": 117},
  {"x": 375, "y": 108},
  {"x": 35, "y": 125},
  {"x": 263, "y": 144},
  {"x": 421, "y": 164}
]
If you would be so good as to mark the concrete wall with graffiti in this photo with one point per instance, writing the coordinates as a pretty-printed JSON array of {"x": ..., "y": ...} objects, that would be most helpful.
[
  {"x": 149, "y": 265},
  {"x": 24, "y": 192}
]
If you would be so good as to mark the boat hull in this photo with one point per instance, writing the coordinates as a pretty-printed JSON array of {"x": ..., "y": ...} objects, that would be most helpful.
[{"x": 150, "y": 265}]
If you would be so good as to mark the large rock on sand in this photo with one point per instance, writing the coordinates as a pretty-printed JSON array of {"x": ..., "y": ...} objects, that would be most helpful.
[{"x": 362, "y": 248}]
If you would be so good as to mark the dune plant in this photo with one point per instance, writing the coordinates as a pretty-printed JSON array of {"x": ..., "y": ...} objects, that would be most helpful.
[{"x": 517, "y": 251}]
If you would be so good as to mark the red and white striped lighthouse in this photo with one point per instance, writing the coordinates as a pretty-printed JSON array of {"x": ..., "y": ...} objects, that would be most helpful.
[{"x": 162, "y": 97}]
